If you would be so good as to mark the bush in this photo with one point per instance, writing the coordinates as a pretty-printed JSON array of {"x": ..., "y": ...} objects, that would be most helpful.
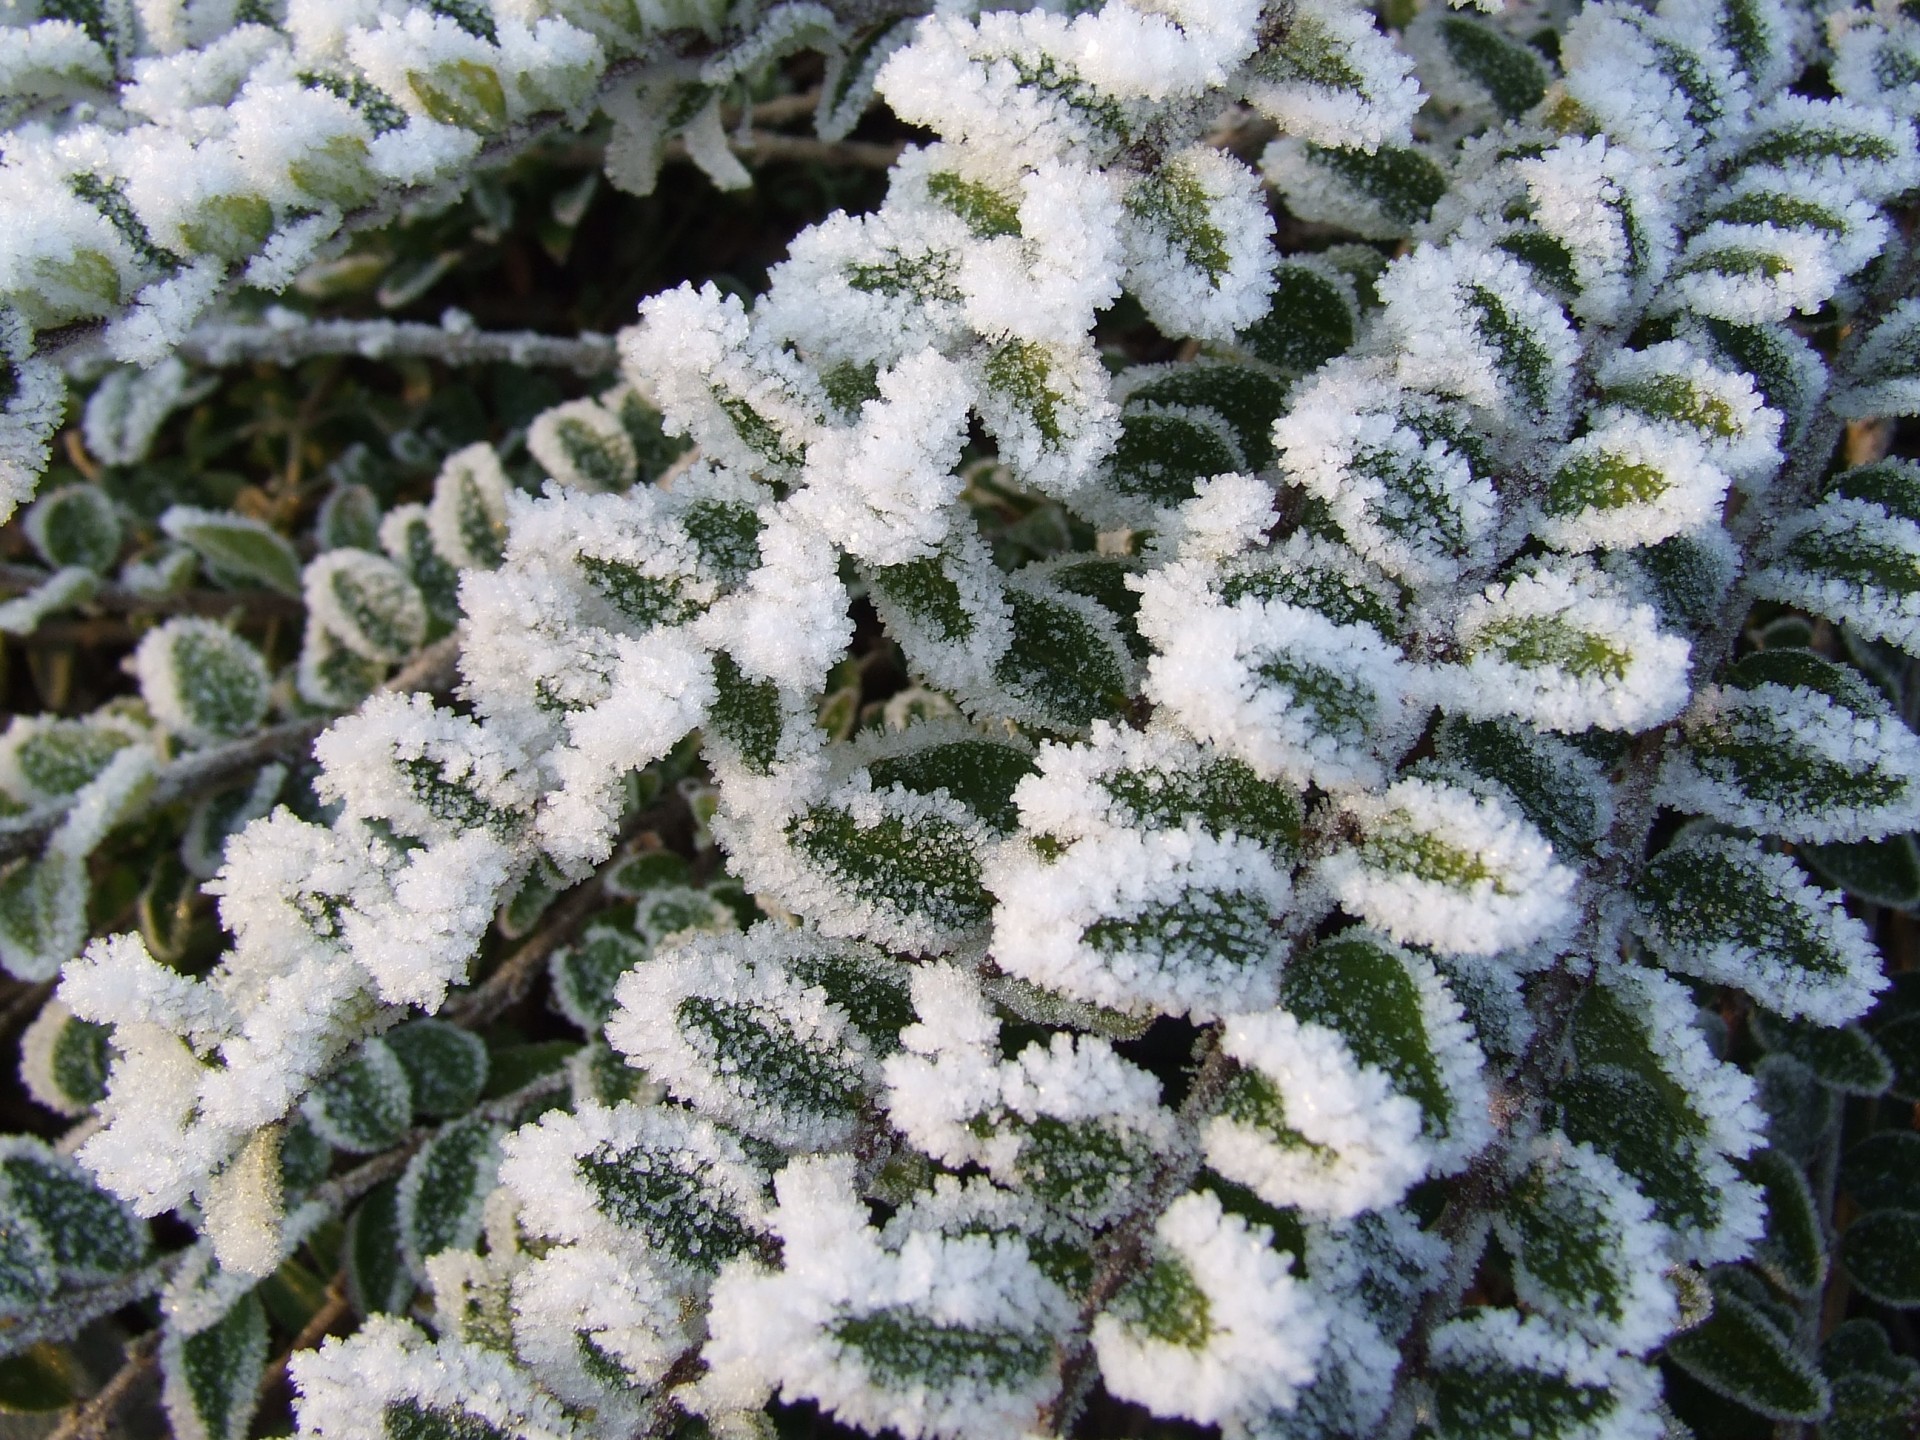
[{"x": 1131, "y": 793}]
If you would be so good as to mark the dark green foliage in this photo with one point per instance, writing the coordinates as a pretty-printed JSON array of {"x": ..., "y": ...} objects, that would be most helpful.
[
  {"x": 377, "y": 1275},
  {"x": 1311, "y": 320},
  {"x": 1510, "y": 73},
  {"x": 902, "y": 1346},
  {"x": 365, "y": 1104},
  {"x": 215, "y": 1373},
  {"x": 1883, "y": 1170},
  {"x": 89, "y": 1234},
  {"x": 1225, "y": 796},
  {"x": 446, "y": 1067},
  {"x": 745, "y": 714},
  {"x": 1356, "y": 984},
  {"x": 1881, "y": 1253},
  {"x": 1246, "y": 397},
  {"x": 410, "y": 1420},
  {"x": 1403, "y": 183},
  {"x": 664, "y": 1197},
  {"x": 925, "y": 866},
  {"x": 1739, "y": 1353},
  {"x": 445, "y": 1185},
  {"x": 1793, "y": 1251},
  {"x": 1881, "y": 872},
  {"x": 1060, "y": 663},
  {"x": 1844, "y": 1057},
  {"x": 978, "y": 772}
]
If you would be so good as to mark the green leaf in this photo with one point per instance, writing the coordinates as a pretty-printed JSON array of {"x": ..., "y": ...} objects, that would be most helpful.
[
  {"x": 75, "y": 525},
  {"x": 1402, "y": 184},
  {"x": 1061, "y": 662},
  {"x": 692, "y": 1222},
  {"x": 902, "y": 1347},
  {"x": 378, "y": 1280},
  {"x": 1312, "y": 319},
  {"x": 1739, "y": 1354},
  {"x": 1511, "y": 74},
  {"x": 745, "y": 714},
  {"x": 1881, "y": 872},
  {"x": 1173, "y": 199},
  {"x": 924, "y": 866},
  {"x": 1899, "y": 1041},
  {"x": 1552, "y": 784},
  {"x": 1793, "y": 1252},
  {"x": 212, "y": 1377},
  {"x": 349, "y": 519},
  {"x": 1882, "y": 1172},
  {"x": 237, "y": 551},
  {"x": 410, "y": 1420},
  {"x": 1843, "y": 1058},
  {"x": 1161, "y": 452},
  {"x": 365, "y": 1104},
  {"x": 1881, "y": 1253},
  {"x": 1225, "y": 796},
  {"x": 465, "y": 93},
  {"x": 978, "y": 772},
  {"x": 1245, "y": 396},
  {"x": 444, "y": 1189},
  {"x": 446, "y": 1066},
  {"x": 585, "y": 973},
  {"x": 1875, "y": 1392},
  {"x": 90, "y": 1235},
  {"x": 204, "y": 682}
]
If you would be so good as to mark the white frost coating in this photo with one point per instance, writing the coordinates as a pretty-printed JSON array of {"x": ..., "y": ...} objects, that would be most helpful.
[
  {"x": 789, "y": 623},
  {"x": 1575, "y": 1189},
  {"x": 1565, "y": 649},
  {"x": 469, "y": 502},
  {"x": 1820, "y": 964},
  {"x": 882, "y": 487},
  {"x": 543, "y": 1166},
  {"x": 129, "y": 406},
  {"x": 1285, "y": 689},
  {"x": 745, "y": 979},
  {"x": 433, "y": 774},
  {"x": 1470, "y": 323},
  {"x": 1672, "y": 383},
  {"x": 69, "y": 586},
  {"x": 1750, "y": 274},
  {"x": 1741, "y": 741},
  {"x": 1375, "y": 112},
  {"x": 1627, "y": 482},
  {"x": 800, "y": 1328},
  {"x": 1888, "y": 365},
  {"x": 1263, "y": 1329},
  {"x": 558, "y": 437},
  {"x": 1156, "y": 922},
  {"x": 1495, "y": 1342},
  {"x": 345, "y": 1387},
  {"x": 167, "y": 688},
  {"x": 1409, "y": 503},
  {"x": 629, "y": 1312},
  {"x": 1334, "y": 1138},
  {"x": 1841, "y": 527},
  {"x": 1199, "y": 246},
  {"x": 947, "y": 1072},
  {"x": 1440, "y": 867},
  {"x": 1045, "y": 284}
]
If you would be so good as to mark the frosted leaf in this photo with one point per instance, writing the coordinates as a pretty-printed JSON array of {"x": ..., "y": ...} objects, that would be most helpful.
[
  {"x": 1587, "y": 1252},
  {"x": 1152, "y": 779},
  {"x": 1215, "y": 1328},
  {"x": 1395, "y": 471},
  {"x": 201, "y": 681},
  {"x": 1473, "y": 66},
  {"x": 1770, "y": 754},
  {"x": 1396, "y": 1012},
  {"x": 1747, "y": 274},
  {"x": 881, "y": 487},
  {"x": 584, "y": 446},
  {"x": 390, "y": 1378},
  {"x": 1627, "y": 483},
  {"x": 1727, "y": 910},
  {"x": 1382, "y": 195},
  {"x": 949, "y": 614},
  {"x": 1470, "y": 323},
  {"x": 446, "y": 1066},
  {"x": 744, "y": 401},
  {"x": 1654, "y": 84},
  {"x": 468, "y": 514},
  {"x": 1673, "y": 384},
  {"x": 365, "y": 1104},
  {"x": 238, "y": 550},
  {"x": 1166, "y": 921},
  {"x": 211, "y": 1377},
  {"x": 35, "y": 401},
  {"x": 1852, "y": 560},
  {"x": 597, "y": 1332},
  {"x": 1198, "y": 239},
  {"x": 443, "y": 1189},
  {"x": 1869, "y": 151},
  {"x": 1048, "y": 410},
  {"x": 46, "y": 758},
  {"x": 63, "y": 1060},
  {"x": 1888, "y": 368},
  {"x": 942, "y": 1337},
  {"x": 66, "y": 589},
  {"x": 89, "y": 1235},
  {"x": 76, "y": 525},
  {"x": 1495, "y": 1362},
  {"x": 1306, "y": 1126},
  {"x": 1564, "y": 649},
  {"x": 1335, "y": 79},
  {"x": 729, "y": 1029},
  {"x": 1295, "y": 694},
  {"x": 1439, "y": 866},
  {"x": 656, "y": 1185}
]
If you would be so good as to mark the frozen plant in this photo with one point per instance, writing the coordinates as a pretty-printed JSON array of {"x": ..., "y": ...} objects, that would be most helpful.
[{"x": 1154, "y": 791}]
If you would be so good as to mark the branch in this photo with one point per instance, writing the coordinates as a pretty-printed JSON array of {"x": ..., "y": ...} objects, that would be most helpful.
[
  {"x": 90, "y": 1419},
  {"x": 257, "y": 604},
  {"x": 285, "y": 337},
  {"x": 205, "y": 771}
]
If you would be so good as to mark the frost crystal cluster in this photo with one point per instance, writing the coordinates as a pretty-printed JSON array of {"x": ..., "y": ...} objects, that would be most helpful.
[{"x": 1149, "y": 788}]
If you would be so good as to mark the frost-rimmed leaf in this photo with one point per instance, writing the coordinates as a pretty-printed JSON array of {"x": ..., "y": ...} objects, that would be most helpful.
[
  {"x": 1738, "y": 1353},
  {"x": 1494, "y": 1368},
  {"x": 1842, "y": 1057},
  {"x": 366, "y": 1103},
  {"x": 212, "y": 1376},
  {"x": 76, "y": 525},
  {"x": 443, "y": 1189},
  {"x": 446, "y": 1066},
  {"x": 378, "y": 1278},
  {"x": 237, "y": 550},
  {"x": 201, "y": 681},
  {"x": 1793, "y": 1252},
  {"x": 1728, "y": 910},
  {"x": 1881, "y": 1253}
]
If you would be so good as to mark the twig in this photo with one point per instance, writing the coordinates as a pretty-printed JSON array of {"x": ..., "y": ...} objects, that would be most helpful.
[
  {"x": 203, "y": 771},
  {"x": 118, "y": 599},
  {"x": 331, "y": 1312},
  {"x": 89, "y": 1419},
  {"x": 79, "y": 1308},
  {"x": 286, "y": 337}
]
